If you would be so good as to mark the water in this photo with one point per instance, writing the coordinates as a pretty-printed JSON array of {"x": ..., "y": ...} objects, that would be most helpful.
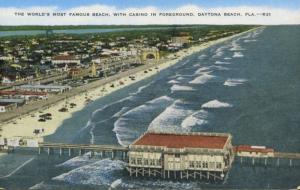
[{"x": 248, "y": 86}]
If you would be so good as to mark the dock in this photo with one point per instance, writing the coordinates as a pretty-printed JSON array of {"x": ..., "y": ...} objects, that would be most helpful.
[
  {"x": 193, "y": 155},
  {"x": 80, "y": 149}
]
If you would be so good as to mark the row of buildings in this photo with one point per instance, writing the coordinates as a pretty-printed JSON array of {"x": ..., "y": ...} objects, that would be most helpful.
[{"x": 20, "y": 95}]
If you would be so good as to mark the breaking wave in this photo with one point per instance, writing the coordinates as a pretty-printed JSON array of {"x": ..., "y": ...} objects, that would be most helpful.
[
  {"x": 168, "y": 120},
  {"x": 216, "y": 104},
  {"x": 202, "y": 56},
  {"x": 238, "y": 54},
  {"x": 140, "y": 89},
  {"x": 135, "y": 121},
  {"x": 202, "y": 79},
  {"x": 176, "y": 87},
  {"x": 173, "y": 82},
  {"x": 121, "y": 112},
  {"x": 78, "y": 161},
  {"x": 234, "y": 82},
  {"x": 197, "y": 118},
  {"x": 222, "y": 63},
  {"x": 102, "y": 172}
]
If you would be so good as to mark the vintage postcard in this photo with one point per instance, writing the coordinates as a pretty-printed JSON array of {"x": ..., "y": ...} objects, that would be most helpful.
[{"x": 153, "y": 94}]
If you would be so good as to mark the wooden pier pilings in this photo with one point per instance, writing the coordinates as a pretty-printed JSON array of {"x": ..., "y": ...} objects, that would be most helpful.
[{"x": 277, "y": 159}]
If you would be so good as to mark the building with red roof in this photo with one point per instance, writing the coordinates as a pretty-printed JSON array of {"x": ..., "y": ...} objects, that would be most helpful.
[
  {"x": 65, "y": 59},
  {"x": 27, "y": 95},
  {"x": 181, "y": 155},
  {"x": 253, "y": 151}
]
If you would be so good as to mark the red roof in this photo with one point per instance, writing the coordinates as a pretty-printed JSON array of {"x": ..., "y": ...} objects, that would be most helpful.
[
  {"x": 182, "y": 140},
  {"x": 64, "y": 57},
  {"x": 248, "y": 148}
]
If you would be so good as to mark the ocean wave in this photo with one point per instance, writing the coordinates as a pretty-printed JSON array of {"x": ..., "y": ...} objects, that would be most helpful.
[
  {"x": 238, "y": 54},
  {"x": 197, "y": 118},
  {"x": 140, "y": 89},
  {"x": 121, "y": 112},
  {"x": 43, "y": 186},
  {"x": 234, "y": 82},
  {"x": 253, "y": 40},
  {"x": 236, "y": 47},
  {"x": 78, "y": 161},
  {"x": 218, "y": 67},
  {"x": 222, "y": 63},
  {"x": 126, "y": 128},
  {"x": 92, "y": 140},
  {"x": 116, "y": 183},
  {"x": 176, "y": 87},
  {"x": 202, "y": 79},
  {"x": 218, "y": 54},
  {"x": 216, "y": 104},
  {"x": 168, "y": 120},
  {"x": 202, "y": 70},
  {"x": 197, "y": 65},
  {"x": 102, "y": 172},
  {"x": 227, "y": 58},
  {"x": 173, "y": 82},
  {"x": 202, "y": 56}
]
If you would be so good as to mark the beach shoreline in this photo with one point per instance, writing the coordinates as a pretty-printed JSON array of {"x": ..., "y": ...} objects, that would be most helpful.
[{"x": 25, "y": 125}]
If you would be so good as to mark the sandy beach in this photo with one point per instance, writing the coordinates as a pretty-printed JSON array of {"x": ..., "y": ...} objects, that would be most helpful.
[{"x": 25, "y": 125}]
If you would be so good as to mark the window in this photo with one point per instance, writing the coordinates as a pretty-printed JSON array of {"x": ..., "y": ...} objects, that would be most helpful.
[
  {"x": 192, "y": 164},
  {"x": 158, "y": 162},
  {"x": 198, "y": 164},
  {"x": 177, "y": 155},
  {"x": 219, "y": 165},
  {"x": 139, "y": 161},
  {"x": 145, "y": 161},
  {"x": 152, "y": 163},
  {"x": 132, "y": 160}
]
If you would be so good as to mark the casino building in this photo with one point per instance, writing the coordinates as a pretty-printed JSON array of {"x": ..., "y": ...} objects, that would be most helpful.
[{"x": 181, "y": 155}]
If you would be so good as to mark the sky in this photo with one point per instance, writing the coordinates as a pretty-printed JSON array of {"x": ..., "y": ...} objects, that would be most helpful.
[
  {"x": 282, "y": 11},
  {"x": 290, "y": 4}
]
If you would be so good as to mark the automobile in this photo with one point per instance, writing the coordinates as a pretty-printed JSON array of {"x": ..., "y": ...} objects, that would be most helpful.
[
  {"x": 42, "y": 120},
  {"x": 73, "y": 104},
  {"x": 63, "y": 110},
  {"x": 48, "y": 118}
]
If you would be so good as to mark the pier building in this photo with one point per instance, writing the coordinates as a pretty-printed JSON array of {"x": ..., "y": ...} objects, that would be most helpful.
[{"x": 181, "y": 155}]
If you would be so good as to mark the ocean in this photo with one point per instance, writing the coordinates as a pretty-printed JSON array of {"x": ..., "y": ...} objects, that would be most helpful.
[{"x": 247, "y": 86}]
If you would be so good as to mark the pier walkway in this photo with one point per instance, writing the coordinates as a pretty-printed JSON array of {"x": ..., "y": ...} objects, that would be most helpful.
[{"x": 80, "y": 149}]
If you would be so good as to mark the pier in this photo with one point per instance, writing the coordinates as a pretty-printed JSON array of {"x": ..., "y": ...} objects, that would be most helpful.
[
  {"x": 80, "y": 149},
  {"x": 207, "y": 156}
]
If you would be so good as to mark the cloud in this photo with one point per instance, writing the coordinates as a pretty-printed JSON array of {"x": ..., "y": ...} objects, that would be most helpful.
[{"x": 278, "y": 15}]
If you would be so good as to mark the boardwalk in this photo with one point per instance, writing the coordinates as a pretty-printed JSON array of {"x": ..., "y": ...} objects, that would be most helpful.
[
  {"x": 287, "y": 155},
  {"x": 111, "y": 150}
]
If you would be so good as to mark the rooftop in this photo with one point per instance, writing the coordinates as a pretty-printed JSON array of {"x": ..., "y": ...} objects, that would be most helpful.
[
  {"x": 186, "y": 140},
  {"x": 64, "y": 57},
  {"x": 249, "y": 148}
]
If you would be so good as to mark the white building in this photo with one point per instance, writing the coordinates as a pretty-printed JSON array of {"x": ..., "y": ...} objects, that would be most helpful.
[
  {"x": 44, "y": 88},
  {"x": 181, "y": 155},
  {"x": 65, "y": 59}
]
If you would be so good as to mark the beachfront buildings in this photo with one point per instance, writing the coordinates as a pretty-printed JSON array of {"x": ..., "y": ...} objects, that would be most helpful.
[
  {"x": 181, "y": 155},
  {"x": 27, "y": 95},
  {"x": 44, "y": 88},
  {"x": 65, "y": 59}
]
